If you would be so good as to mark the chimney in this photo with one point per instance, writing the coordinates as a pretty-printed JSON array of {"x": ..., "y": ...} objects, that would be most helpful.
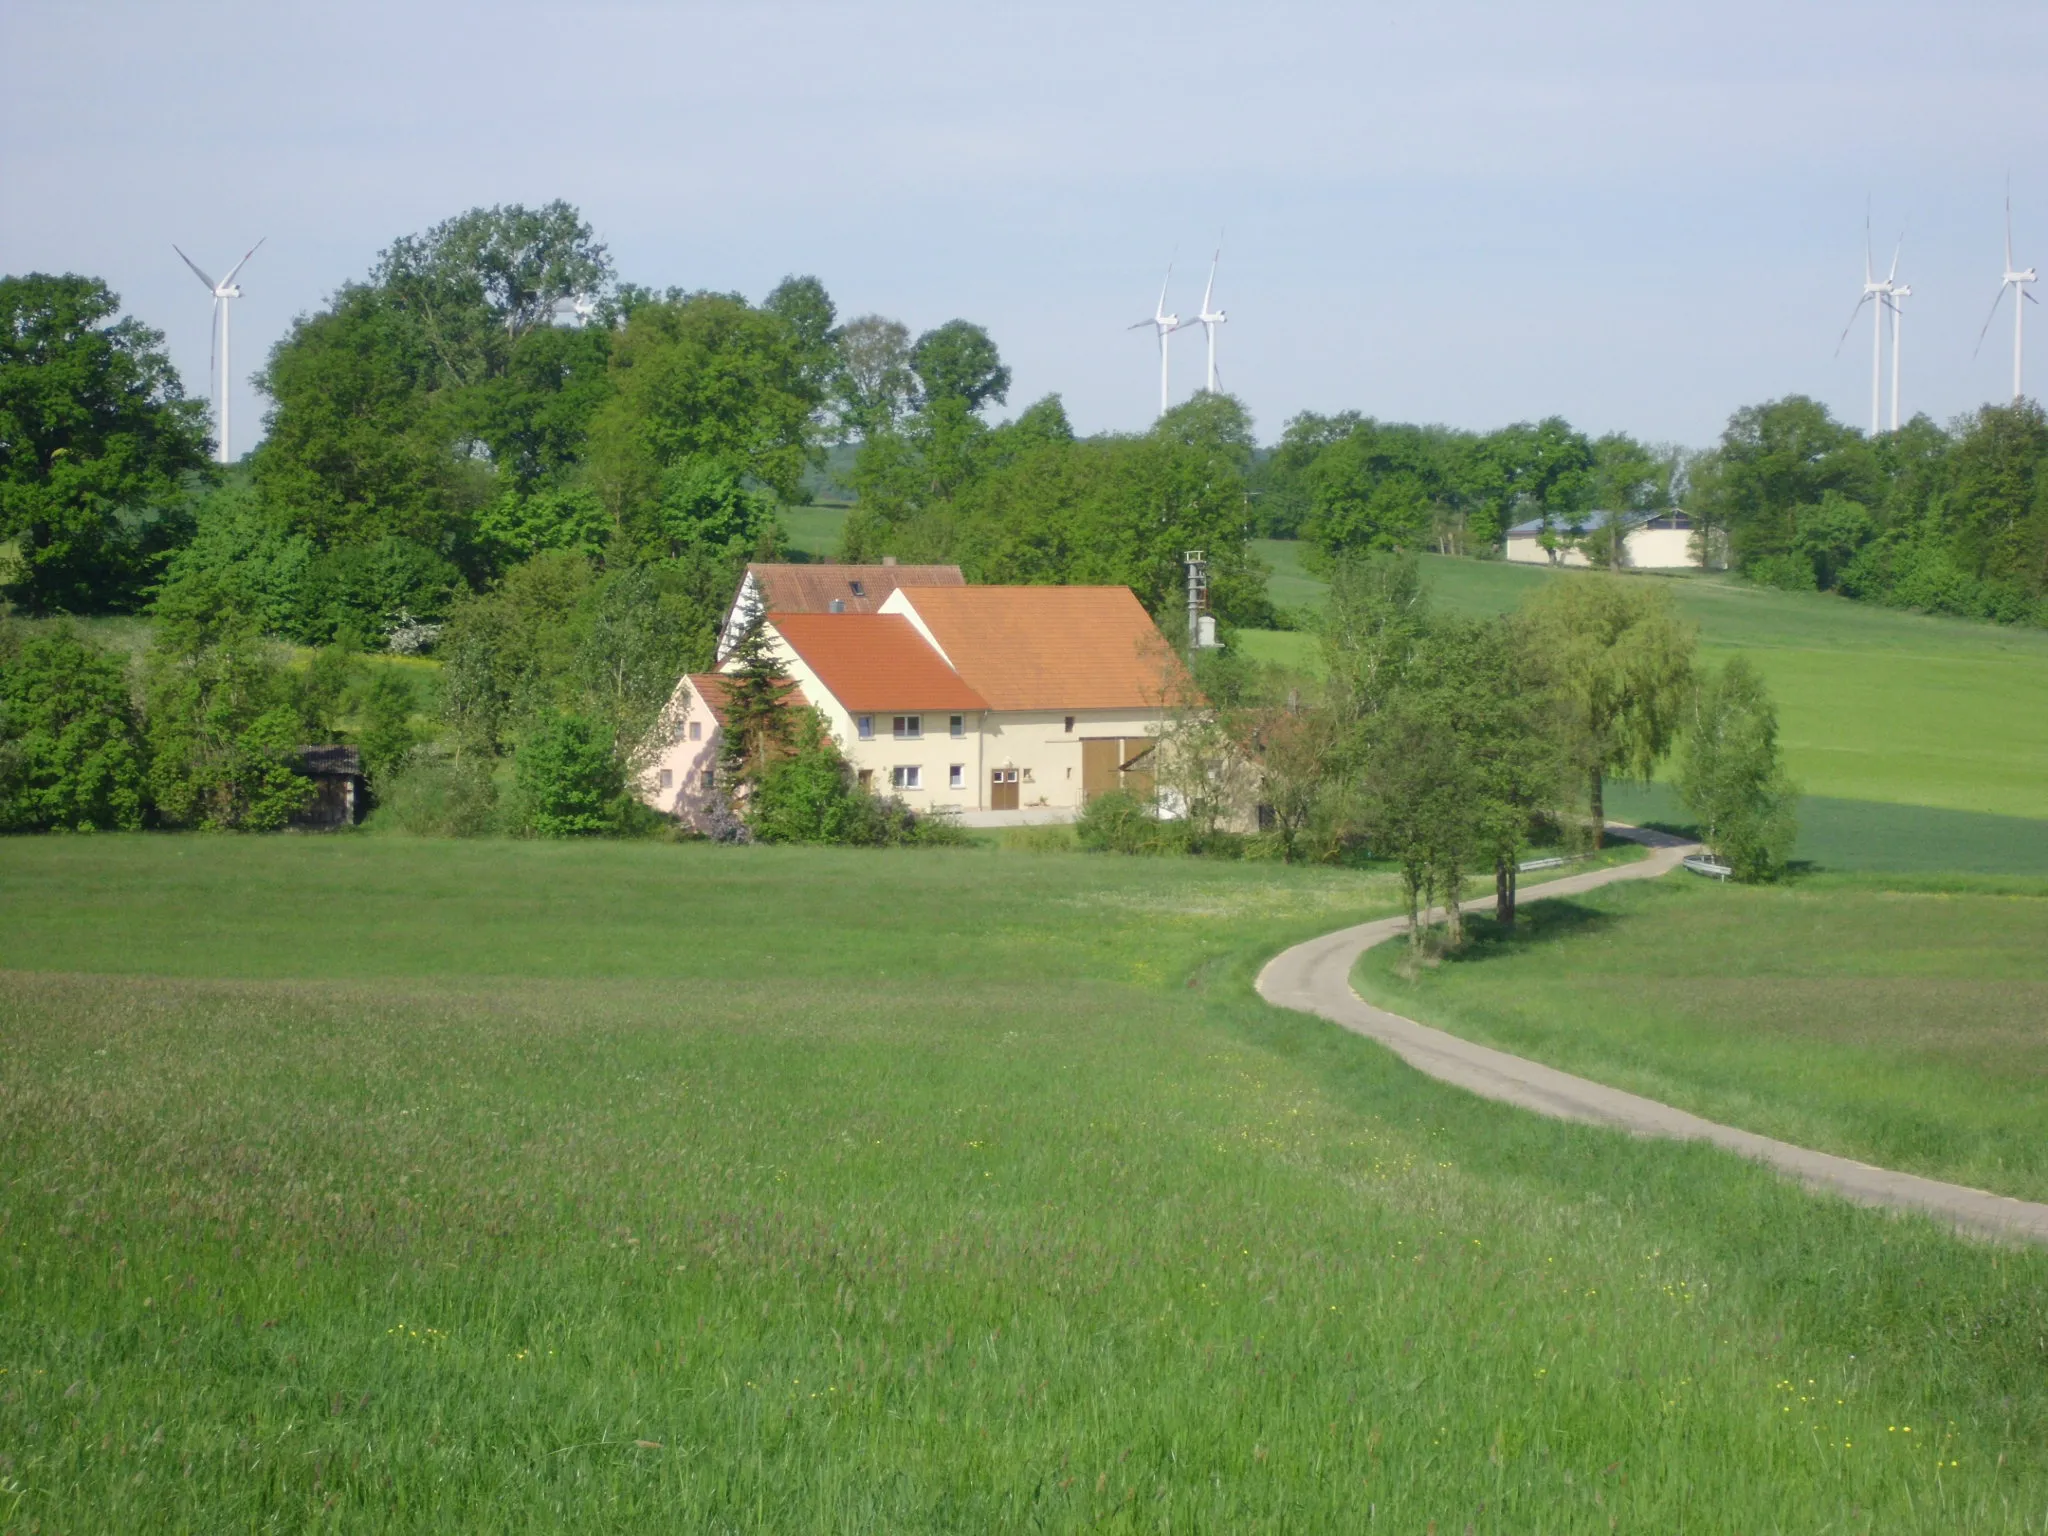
[{"x": 888, "y": 559}]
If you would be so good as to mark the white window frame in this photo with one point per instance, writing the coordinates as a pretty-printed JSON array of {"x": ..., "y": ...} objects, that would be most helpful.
[
  {"x": 907, "y": 776},
  {"x": 956, "y": 727},
  {"x": 696, "y": 730},
  {"x": 956, "y": 776},
  {"x": 864, "y": 727},
  {"x": 907, "y": 727}
]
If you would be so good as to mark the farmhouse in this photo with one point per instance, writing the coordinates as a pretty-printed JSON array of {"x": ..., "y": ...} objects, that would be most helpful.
[
  {"x": 956, "y": 698},
  {"x": 823, "y": 589},
  {"x": 1661, "y": 541}
]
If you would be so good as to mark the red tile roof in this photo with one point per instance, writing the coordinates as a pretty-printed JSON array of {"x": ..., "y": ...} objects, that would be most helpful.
[
  {"x": 875, "y": 661},
  {"x": 1051, "y": 648},
  {"x": 814, "y": 588},
  {"x": 711, "y": 687}
]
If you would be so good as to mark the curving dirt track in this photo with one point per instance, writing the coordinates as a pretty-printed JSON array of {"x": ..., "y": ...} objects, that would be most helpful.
[{"x": 1315, "y": 977}]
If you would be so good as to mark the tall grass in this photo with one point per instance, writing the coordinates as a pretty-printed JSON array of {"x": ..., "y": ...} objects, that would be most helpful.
[{"x": 375, "y": 1184}]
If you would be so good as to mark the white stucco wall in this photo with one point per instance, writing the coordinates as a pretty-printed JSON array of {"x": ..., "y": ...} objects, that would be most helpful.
[
  {"x": 933, "y": 754},
  {"x": 1647, "y": 549},
  {"x": 1047, "y": 756}
]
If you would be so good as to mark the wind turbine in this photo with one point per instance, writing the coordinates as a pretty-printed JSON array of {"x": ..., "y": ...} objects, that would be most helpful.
[
  {"x": 1878, "y": 294},
  {"x": 1893, "y": 300},
  {"x": 222, "y": 291},
  {"x": 1165, "y": 325},
  {"x": 1210, "y": 319},
  {"x": 2017, "y": 281}
]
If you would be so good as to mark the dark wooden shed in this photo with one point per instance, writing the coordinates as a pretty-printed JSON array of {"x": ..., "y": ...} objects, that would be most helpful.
[{"x": 339, "y": 799}]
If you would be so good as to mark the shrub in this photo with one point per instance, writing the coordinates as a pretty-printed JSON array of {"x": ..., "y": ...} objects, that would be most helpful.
[
  {"x": 569, "y": 779},
  {"x": 1117, "y": 822},
  {"x": 430, "y": 795},
  {"x": 70, "y": 748},
  {"x": 223, "y": 727},
  {"x": 384, "y": 733},
  {"x": 808, "y": 795},
  {"x": 1790, "y": 573}
]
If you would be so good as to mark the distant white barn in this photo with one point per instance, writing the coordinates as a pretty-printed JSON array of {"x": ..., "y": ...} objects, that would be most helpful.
[{"x": 1654, "y": 541}]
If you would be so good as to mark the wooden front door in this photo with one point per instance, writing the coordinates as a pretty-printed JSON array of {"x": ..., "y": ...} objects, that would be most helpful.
[{"x": 1002, "y": 789}]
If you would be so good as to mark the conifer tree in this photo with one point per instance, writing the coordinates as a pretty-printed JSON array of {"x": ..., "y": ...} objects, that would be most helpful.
[{"x": 757, "y": 720}]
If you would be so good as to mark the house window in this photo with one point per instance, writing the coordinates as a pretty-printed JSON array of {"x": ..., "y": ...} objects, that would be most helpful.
[
  {"x": 711, "y": 778},
  {"x": 864, "y": 727},
  {"x": 908, "y": 727},
  {"x": 860, "y": 588},
  {"x": 668, "y": 778},
  {"x": 956, "y": 776},
  {"x": 696, "y": 730},
  {"x": 906, "y": 776},
  {"x": 867, "y": 779},
  {"x": 1070, "y": 725},
  {"x": 956, "y": 725}
]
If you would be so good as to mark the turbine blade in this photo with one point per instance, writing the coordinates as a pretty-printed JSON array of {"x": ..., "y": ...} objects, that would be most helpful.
[
  {"x": 211, "y": 284},
  {"x": 1140, "y": 325},
  {"x": 1986, "y": 331},
  {"x": 1895, "y": 257},
  {"x": 243, "y": 262},
  {"x": 2008, "y": 223},
  {"x": 1161, "y": 310},
  {"x": 1211, "y": 288},
  {"x": 1868, "y": 274},
  {"x": 1852, "y": 323}
]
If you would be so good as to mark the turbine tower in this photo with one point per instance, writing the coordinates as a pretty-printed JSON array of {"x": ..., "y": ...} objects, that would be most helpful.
[
  {"x": 1876, "y": 293},
  {"x": 1165, "y": 325},
  {"x": 1894, "y": 300},
  {"x": 2016, "y": 279},
  {"x": 223, "y": 291},
  {"x": 1210, "y": 319}
]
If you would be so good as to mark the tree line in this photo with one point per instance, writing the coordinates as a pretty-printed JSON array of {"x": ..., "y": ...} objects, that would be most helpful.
[
  {"x": 490, "y": 392},
  {"x": 1941, "y": 519}
]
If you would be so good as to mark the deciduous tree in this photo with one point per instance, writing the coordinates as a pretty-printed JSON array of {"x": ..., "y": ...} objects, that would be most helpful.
[
  {"x": 71, "y": 755},
  {"x": 1621, "y": 662},
  {"x": 96, "y": 436},
  {"x": 1730, "y": 775}
]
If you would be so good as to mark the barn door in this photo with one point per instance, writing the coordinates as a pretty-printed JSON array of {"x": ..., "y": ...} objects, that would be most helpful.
[{"x": 1100, "y": 757}]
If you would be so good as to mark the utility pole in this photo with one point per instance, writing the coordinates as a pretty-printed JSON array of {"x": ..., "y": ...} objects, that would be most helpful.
[{"x": 1198, "y": 601}]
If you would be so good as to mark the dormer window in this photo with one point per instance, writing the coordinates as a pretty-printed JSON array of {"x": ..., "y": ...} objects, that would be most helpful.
[{"x": 860, "y": 588}]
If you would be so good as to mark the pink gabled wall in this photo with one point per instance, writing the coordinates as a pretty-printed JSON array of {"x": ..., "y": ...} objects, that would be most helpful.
[{"x": 684, "y": 760}]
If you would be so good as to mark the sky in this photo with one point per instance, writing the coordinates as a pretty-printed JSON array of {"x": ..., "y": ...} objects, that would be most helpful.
[{"x": 1640, "y": 217}]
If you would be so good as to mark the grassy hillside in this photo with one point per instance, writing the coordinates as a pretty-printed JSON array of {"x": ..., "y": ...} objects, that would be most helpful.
[
  {"x": 1874, "y": 704},
  {"x": 1896, "y": 1022},
  {"x": 814, "y": 531},
  {"x": 370, "y": 1184}
]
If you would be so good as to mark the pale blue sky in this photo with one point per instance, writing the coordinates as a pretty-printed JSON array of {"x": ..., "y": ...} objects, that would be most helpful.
[{"x": 1638, "y": 216}]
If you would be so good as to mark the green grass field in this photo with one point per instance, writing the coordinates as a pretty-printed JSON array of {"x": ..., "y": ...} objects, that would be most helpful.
[
  {"x": 1899, "y": 1022},
  {"x": 1873, "y": 704},
  {"x": 814, "y": 531},
  {"x": 363, "y": 1183}
]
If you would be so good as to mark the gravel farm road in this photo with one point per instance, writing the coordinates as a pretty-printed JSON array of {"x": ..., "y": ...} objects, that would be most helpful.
[{"x": 1315, "y": 977}]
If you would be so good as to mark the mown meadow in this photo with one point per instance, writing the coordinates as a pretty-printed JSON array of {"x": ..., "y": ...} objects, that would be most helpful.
[
  {"x": 364, "y": 1183},
  {"x": 1902, "y": 1021}
]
